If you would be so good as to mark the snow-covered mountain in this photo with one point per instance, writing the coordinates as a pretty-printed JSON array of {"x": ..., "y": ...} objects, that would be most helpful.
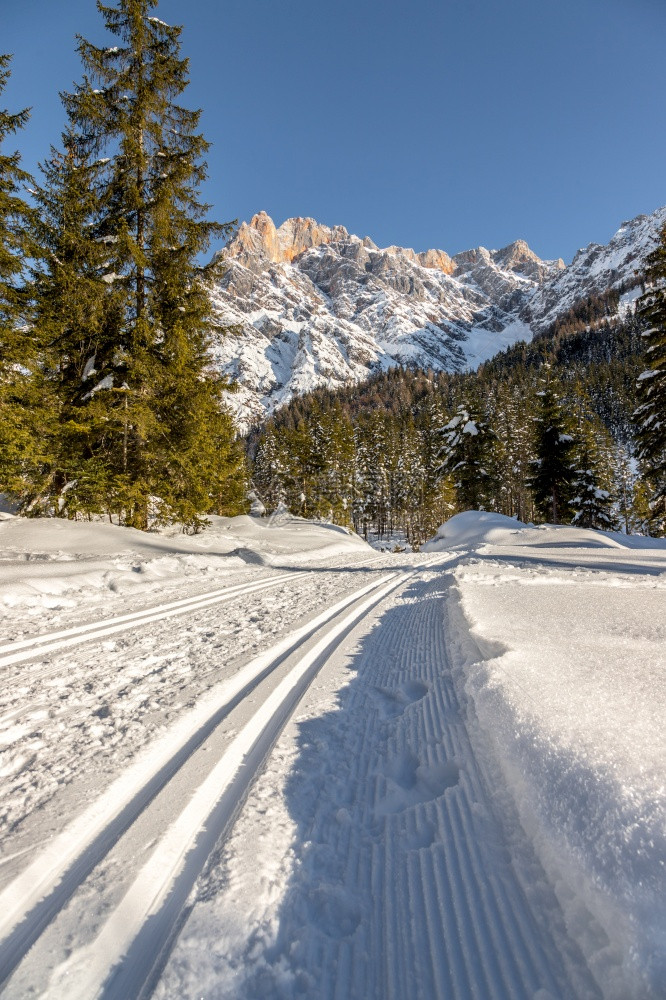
[
  {"x": 596, "y": 269},
  {"x": 315, "y": 305}
]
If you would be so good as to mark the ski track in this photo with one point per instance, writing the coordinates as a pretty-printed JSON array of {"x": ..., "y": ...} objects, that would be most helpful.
[
  {"x": 40, "y": 645},
  {"x": 404, "y": 885},
  {"x": 59, "y": 882},
  {"x": 73, "y": 717},
  {"x": 414, "y": 896}
]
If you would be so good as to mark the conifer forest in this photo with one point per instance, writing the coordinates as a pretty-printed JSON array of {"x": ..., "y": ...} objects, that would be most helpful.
[
  {"x": 549, "y": 431},
  {"x": 109, "y": 403}
]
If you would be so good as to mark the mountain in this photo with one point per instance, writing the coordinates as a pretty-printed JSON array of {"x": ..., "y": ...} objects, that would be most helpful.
[{"x": 315, "y": 305}]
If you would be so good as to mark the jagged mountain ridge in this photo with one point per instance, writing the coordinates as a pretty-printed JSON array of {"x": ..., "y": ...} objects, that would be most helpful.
[{"x": 316, "y": 305}]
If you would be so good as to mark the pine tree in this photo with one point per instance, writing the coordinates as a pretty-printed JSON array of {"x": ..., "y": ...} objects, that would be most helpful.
[
  {"x": 553, "y": 470},
  {"x": 170, "y": 443},
  {"x": 21, "y": 452},
  {"x": 650, "y": 415}
]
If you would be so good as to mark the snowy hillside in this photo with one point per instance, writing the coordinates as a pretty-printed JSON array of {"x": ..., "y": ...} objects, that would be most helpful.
[
  {"x": 595, "y": 269},
  {"x": 266, "y": 761},
  {"x": 318, "y": 306}
]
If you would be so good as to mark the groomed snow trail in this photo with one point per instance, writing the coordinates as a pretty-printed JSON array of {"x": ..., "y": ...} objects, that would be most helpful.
[
  {"x": 403, "y": 875},
  {"x": 51, "y": 642},
  {"x": 72, "y": 719},
  {"x": 117, "y": 942}
]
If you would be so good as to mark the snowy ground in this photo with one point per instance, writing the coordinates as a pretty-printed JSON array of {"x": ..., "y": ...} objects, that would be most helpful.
[
  {"x": 560, "y": 642},
  {"x": 267, "y": 761}
]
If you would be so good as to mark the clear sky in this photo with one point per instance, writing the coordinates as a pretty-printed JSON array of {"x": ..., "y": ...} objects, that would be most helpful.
[{"x": 424, "y": 123}]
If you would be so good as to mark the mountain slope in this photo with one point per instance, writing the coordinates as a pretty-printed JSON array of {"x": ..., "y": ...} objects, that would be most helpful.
[{"x": 318, "y": 306}]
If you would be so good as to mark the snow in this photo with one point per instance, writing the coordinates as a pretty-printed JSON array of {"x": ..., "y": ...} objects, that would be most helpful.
[
  {"x": 50, "y": 565},
  {"x": 105, "y": 383},
  {"x": 484, "y": 344},
  {"x": 562, "y": 635},
  {"x": 84, "y": 976},
  {"x": 329, "y": 772},
  {"x": 473, "y": 528}
]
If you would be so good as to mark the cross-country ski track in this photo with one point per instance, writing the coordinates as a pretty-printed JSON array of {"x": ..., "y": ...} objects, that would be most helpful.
[
  {"x": 414, "y": 878},
  {"x": 38, "y": 894}
]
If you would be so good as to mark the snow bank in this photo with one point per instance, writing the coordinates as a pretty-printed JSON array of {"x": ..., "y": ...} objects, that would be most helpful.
[
  {"x": 472, "y": 527},
  {"x": 52, "y": 562},
  {"x": 559, "y": 636}
]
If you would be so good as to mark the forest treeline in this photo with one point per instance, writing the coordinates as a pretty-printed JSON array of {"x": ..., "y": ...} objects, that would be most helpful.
[{"x": 545, "y": 431}]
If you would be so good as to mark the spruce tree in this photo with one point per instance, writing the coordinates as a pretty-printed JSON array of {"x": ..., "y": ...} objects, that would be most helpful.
[
  {"x": 511, "y": 418},
  {"x": 591, "y": 504},
  {"x": 268, "y": 469},
  {"x": 170, "y": 444},
  {"x": 552, "y": 470},
  {"x": 21, "y": 452},
  {"x": 79, "y": 317},
  {"x": 468, "y": 456},
  {"x": 650, "y": 415}
]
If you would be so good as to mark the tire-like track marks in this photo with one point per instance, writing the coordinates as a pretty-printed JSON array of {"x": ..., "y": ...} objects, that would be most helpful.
[{"x": 414, "y": 896}]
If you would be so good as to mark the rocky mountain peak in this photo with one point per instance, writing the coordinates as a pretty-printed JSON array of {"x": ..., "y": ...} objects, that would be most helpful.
[
  {"x": 517, "y": 256},
  {"x": 259, "y": 240},
  {"x": 319, "y": 306},
  {"x": 436, "y": 259}
]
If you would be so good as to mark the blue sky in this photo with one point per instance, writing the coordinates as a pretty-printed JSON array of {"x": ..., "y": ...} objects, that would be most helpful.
[{"x": 424, "y": 123}]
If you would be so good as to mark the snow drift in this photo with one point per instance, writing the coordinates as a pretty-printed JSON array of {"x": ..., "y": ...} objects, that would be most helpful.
[{"x": 559, "y": 637}]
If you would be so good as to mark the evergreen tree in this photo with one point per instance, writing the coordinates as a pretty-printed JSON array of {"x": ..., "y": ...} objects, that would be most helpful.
[
  {"x": 169, "y": 447},
  {"x": 630, "y": 509},
  {"x": 21, "y": 453},
  {"x": 79, "y": 318},
  {"x": 269, "y": 469},
  {"x": 468, "y": 456},
  {"x": 438, "y": 501},
  {"x": 553, "y": 470},
  {"x": 371, "y": 500},
  {"x": 650, "y": 415},
  {"x": 592, "y": 503},
  {"x": 512, "y": 407},
  {"x": 336, "y": 443}
]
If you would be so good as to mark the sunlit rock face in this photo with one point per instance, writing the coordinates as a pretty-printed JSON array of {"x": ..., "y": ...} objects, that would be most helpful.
[
  {"x": 314, "y": 305},
  {"x": 259, "y": 241}
]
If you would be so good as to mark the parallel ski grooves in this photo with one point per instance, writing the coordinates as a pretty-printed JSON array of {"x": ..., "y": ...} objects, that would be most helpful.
[
  {"x": 442, "y": 918},
  {"x": 28, "y": 649},
  {"x": 129, "y": 950},
  {"x": 33, "y": 899}
]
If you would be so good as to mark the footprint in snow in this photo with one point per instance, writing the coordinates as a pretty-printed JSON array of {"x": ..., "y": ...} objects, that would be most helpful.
[
  {"x": 392, "y": 703},
  {"x": 410, "y": 783},
  {"x": 334, "y": 911}
]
